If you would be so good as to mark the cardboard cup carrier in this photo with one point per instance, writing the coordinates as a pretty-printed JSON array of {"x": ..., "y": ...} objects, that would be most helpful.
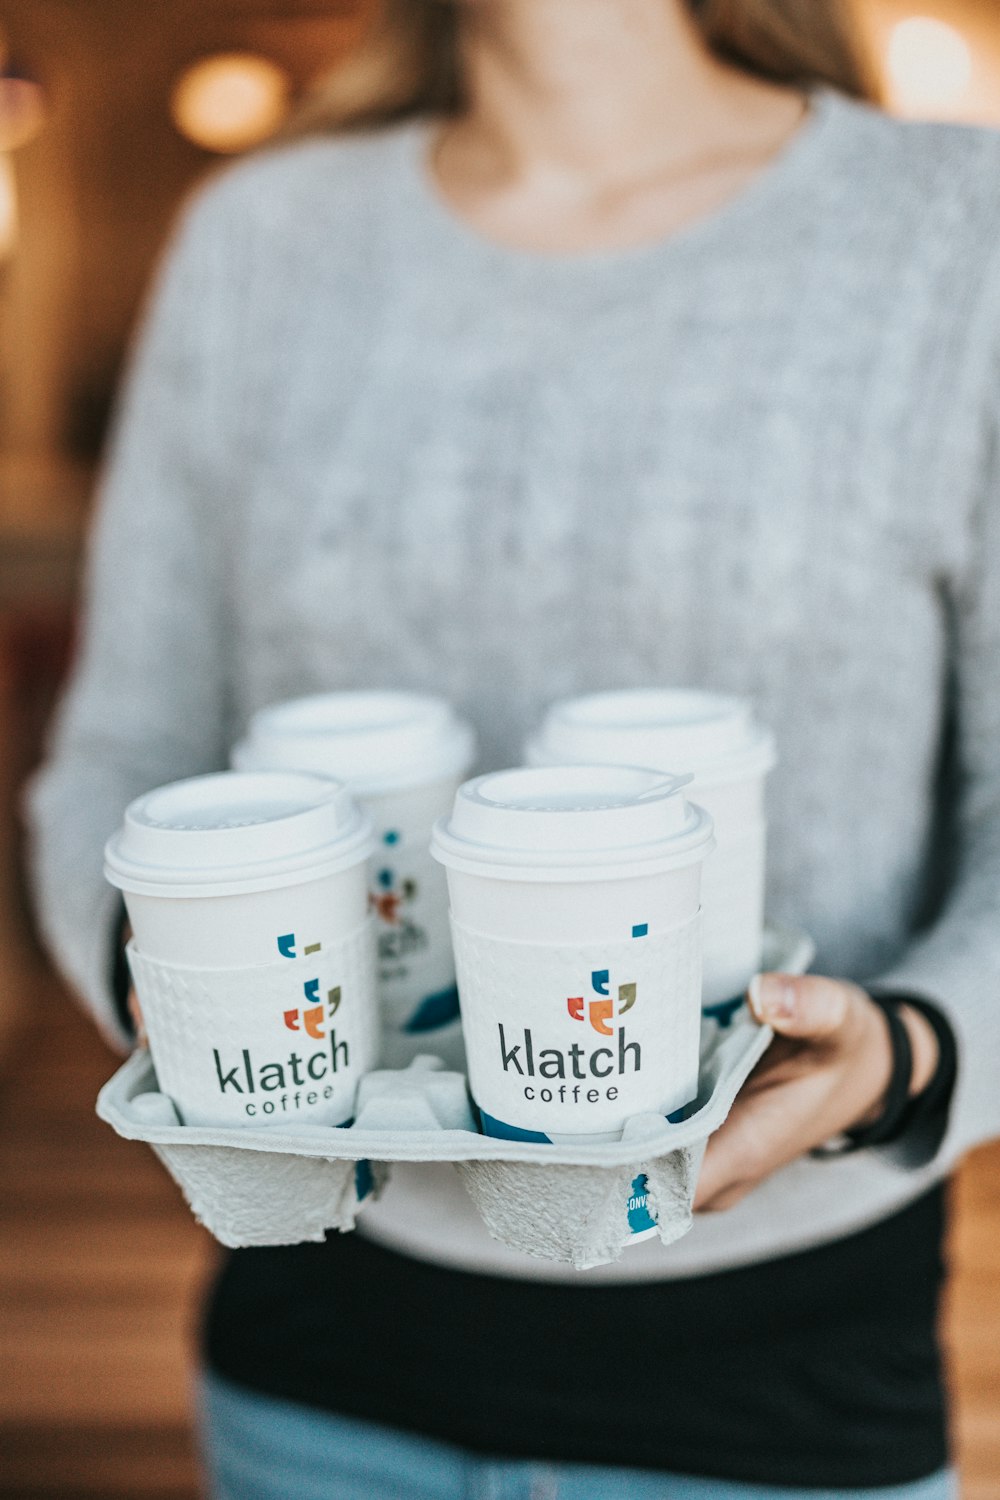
[
  {"x": 715, "y": 740},
  {"x": 253, "y": 947},
  {"x": 403, "y": 756},
  {"x": 248, "y": 894},
  {"x": 561, "y": 1202},
  {"x": 575, "y": 921}
]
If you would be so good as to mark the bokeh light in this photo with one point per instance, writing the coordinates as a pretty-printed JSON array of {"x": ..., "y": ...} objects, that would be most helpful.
[
  {"x": 22, "y": 110},
  {"x": 8, "y": 207},
  {"x": 231, "y": 101},
  {"x": 929, "y": 65}
]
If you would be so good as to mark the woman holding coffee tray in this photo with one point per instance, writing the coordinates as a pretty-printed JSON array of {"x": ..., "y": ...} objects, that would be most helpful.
[{"x": 584, "y": 343}]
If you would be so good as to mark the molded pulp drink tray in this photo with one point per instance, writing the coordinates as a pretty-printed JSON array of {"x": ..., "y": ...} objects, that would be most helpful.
[{"x": 286, "y": 1184}]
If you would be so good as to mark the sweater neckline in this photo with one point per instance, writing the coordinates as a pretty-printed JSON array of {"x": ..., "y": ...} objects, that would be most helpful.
[{"x": 795, "y": 161}]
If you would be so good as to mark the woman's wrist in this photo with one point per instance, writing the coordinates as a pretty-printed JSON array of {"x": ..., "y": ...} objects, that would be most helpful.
[
  {"x": 924, "y": 1045},
  {"x": 885, "y": 1045},
  {"x": 914, "y": 1065}
]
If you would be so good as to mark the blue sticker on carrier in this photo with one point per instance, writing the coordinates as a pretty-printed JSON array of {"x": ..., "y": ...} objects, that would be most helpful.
[
  {"x": 504, "y": 1132},
  {"x": 364, "y": 1180},
  {"x": 639, "y": 1217},
  {"x": 724, "y": 1011}
]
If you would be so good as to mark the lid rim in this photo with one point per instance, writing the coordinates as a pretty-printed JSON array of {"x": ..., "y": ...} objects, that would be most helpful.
[
  {"x": 424, "y": 741},
  {"x": 714, "y": 734},
  {"x": 131, "y": 877},
  {"x": 753, "y": 760},
  {"x": 526, "y": 821},
  {"x": 232, "y": 830},
  {"x": 402, "y": 779},
  {"x": 514, "y": 863}
]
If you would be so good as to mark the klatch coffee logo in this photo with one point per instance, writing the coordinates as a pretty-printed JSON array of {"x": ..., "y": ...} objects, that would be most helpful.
[
  {"x": 523, "y": 1055},
  {"x": 604, "y": 1010},
  {"x": 414, "y": 953},
  {"x": 400, "y": 935},
  {"x": 299, "y": 1080},
  {"x": 568, "y": 1039}
]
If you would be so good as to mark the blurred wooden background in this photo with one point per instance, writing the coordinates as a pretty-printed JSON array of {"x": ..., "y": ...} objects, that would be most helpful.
[{"x": 100, "y": 1263}]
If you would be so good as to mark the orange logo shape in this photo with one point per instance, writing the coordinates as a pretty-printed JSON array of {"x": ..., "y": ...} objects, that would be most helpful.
[
  {"x": 312, "y": 1019},
  {"x": 601, "y": 1012},
  {"x": 392, "y": 894}
]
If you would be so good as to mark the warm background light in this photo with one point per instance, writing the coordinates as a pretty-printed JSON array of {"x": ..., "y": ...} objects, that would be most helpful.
[
  {"x": 8, "y": 207},
  {"x": 230, "y": 102},
  {"x": 22, "y": 111},
  {"x": 929, "y": 65}
]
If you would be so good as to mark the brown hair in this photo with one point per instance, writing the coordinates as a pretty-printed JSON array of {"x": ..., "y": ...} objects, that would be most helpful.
[{"x": 407, "y": 63}]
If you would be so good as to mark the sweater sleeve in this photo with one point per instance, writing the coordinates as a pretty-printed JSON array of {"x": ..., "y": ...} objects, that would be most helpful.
[
  {"x": 955, "y": 964},
  {"x": 147, "y": 700}
]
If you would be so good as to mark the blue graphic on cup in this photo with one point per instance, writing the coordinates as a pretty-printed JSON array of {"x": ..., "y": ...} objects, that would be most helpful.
[{"x": 286, "y": 946}]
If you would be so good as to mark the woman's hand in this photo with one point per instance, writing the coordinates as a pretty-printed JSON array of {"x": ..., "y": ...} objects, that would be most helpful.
[{"x": 827, "y": 1070}]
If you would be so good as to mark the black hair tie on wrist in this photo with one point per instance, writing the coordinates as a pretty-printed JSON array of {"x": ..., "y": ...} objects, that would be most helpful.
[
  {"x": 936, "y": 1096},
  {"x": 897, "y": 1098}
]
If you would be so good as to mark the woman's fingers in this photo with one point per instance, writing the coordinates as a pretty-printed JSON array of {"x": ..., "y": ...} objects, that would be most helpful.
[
  {"x": 745, "y": 1149},
  {"x": 803, "y": 1006},
  {"x": 828, "y": 1069}
]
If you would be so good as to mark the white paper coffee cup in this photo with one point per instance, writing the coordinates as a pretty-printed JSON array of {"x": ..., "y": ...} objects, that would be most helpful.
[
  {"x": 253, "y": 949},
  {"x": 715, "y": 739},
  {"x": 575, "y": 918},
  {"x": 403, "y": 756}
]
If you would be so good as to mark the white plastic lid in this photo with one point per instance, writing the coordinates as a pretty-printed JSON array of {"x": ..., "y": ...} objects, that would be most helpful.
[
  {"x": 232, "y": 833},
  {"x": 570, "y": 823},
  {"x": 713, "y": 737},
  {"x": 377, "y": 741}
]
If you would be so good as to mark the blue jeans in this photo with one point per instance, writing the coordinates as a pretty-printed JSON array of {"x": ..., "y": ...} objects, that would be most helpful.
[{"x": 257, "y": 1448}]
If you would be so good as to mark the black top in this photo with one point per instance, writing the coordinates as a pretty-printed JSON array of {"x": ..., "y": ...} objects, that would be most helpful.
[{"x": 820, "y": 1368}]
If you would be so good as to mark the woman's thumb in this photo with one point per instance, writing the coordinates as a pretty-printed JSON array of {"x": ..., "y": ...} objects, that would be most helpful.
[{"x": 799, "y": 1005}]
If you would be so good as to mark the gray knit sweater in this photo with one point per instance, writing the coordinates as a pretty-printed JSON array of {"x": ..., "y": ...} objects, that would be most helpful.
[{"x": 362, "y": 445}]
